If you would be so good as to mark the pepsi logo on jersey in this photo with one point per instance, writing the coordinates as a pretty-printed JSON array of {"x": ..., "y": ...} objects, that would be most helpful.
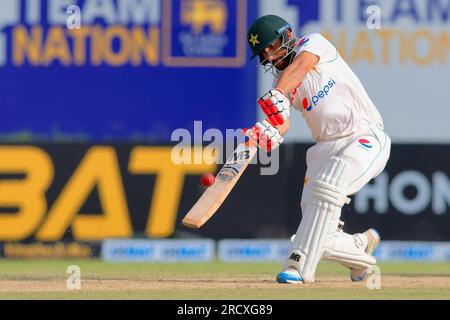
[
  {"x": 365, "y": 143},
  {"x": 306, "y": 105},
  {"x": 320, "y": 95}
]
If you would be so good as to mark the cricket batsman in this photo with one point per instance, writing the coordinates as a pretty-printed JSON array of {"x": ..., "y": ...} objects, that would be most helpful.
[{"x": 351, "y": 145}]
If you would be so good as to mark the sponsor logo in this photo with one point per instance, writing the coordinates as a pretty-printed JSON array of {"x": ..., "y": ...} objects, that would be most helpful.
[
  {"x": 252, "y": 250},
  {"x": 184, "y": 252},
  {"x": 49, "y": 250},
  {"x": 365, "y": 143},
  {"x": 130, "y": 251},
  {"x": 205, "y": 33},
  {"x": 228, "y": 173},
  {"x": 308, "y": 105},
  {"x": 234, "y": 165},
  {"x": 204, "y": 25},
  {"x": 295, "y": 257},
  {"x": 409, "y": 193},
  {"x": 411, "y": 253},
  {"x": 200, "y": 14},
  {"x": 255, "y": 251},
  {"x": 112, "y": 218},
  {"x": 35, "y": 35},
  {"x": 241, "y": 156},
  {"x": 359, "y": 243},
  {"x": 163, "y": 251}
]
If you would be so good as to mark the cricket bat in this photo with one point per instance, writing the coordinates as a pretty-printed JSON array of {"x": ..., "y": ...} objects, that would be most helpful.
[{"x": 225, "y": 180}]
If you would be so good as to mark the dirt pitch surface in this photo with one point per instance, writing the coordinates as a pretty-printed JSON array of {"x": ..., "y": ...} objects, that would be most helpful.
[{"x": 47, "y": 280}]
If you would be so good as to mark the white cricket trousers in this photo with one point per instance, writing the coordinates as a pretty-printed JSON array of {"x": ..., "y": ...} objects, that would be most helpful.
[{"x": 366, "y": 153}]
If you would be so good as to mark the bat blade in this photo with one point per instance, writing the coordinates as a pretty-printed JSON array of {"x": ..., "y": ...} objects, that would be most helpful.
[{"x": 226, "y": 179}]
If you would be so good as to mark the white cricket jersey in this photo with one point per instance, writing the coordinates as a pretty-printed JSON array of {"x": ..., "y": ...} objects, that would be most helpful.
[{"x": 331, "y": 98}]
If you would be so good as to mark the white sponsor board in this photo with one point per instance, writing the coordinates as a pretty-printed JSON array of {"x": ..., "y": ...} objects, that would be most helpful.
[
  {"x": 257, "y": 250},
  {"x": 404, "y": 65},
  {"x": 405, "y": 251},
  {"x": 129, "y": 250},
  {"x": 252, "y": 250},
  {"x": 260, "y": 250}
]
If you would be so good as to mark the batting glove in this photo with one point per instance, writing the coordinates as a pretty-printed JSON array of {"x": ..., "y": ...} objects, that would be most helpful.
[
  {"x": 276, "y": 106},
  {"x": 265, "y": 136}
]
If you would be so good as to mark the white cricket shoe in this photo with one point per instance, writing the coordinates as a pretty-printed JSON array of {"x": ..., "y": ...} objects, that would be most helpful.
[
  {"x": 373, "y": 240},
  {"x": 290, "y": 275}
]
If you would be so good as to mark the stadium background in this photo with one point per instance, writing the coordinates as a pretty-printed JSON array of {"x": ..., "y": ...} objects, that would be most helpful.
[{"x": 88, "y": 116}]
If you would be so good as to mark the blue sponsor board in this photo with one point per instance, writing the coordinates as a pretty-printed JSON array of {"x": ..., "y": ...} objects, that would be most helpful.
[
  {"x": 207, "y": 33},
  {"x": 130, "y": 251},
  {"x": 252, "y": 250},
  {"x": 158, "y": 250},
  {"x": 135, "y": 70},
  {"x": 260, "y": 250},
  {"x": 309, "y": 11},
  {"x": 406, "y": 251}
]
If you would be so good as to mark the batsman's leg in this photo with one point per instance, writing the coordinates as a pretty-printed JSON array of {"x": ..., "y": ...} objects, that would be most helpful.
[
  {"x": 373, "y": 161},
  {"x": 321, "y": 213},
  {"x": 353, "y": 251},
  {"x": 318, "y": 235}
]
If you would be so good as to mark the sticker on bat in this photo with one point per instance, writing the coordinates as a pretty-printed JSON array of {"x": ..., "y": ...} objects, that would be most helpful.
[
  {"x": 229, "y": 172},
  {"x": 241, "y": 156}
]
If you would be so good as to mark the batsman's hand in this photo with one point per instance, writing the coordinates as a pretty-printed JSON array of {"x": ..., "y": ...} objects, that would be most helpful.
[
  {"x": 276, "y": 106},
  {"x": 265, "y": 136}
]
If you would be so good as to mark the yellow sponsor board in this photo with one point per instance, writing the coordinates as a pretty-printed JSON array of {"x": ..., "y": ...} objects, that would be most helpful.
[
  {"x": 99, "y": 168},
  {"x": 40, "y": 47},
  {"x": 421, "y": 47},
  {"x": 174, "y": 33}
]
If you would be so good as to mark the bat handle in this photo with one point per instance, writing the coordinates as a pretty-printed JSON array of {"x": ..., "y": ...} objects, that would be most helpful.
[{"x": 250, "y": 143}]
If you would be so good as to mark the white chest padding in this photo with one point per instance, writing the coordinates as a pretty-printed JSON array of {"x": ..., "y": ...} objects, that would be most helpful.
[{"x": 320, "y": 217}]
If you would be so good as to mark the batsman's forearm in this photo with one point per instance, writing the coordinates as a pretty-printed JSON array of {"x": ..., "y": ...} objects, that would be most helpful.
[
  {"x": 290, "y": 80},
  {"x": 293, "y": 76}
]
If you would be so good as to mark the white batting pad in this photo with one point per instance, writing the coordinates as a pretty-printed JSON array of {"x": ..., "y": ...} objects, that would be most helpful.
[
  {"x": 348, "y": 250},
  {"x": 321, "y": 213}
]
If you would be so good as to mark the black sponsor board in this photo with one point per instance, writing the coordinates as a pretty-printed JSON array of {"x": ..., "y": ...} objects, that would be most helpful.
[
  {"x": 409, "y": 201},
  {"x": 83, "y": 192}
]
